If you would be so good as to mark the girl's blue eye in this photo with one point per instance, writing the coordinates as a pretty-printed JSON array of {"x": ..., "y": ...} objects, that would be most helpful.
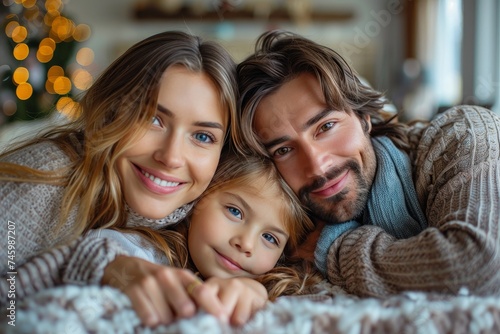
[
  {"x": 234, "y": 211},
  {"x": 204, "y": 137},
  {"x": 270, "y": 238}
]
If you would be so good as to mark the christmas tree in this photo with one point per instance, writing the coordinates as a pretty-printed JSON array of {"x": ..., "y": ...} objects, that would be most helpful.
[{"x": 41, "y": 67}]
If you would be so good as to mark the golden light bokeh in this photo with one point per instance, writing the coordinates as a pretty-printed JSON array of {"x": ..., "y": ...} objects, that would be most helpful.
[
  {"x": 28, "y": 3},
  {"x": 66, "y": 105},
  {"x": 54, "y": 72},
  {"x": 21, "y": 51},
  {"x": 62, "y": 28},
  {"x": 19, "y": 34},
  {"x": 43, "y": 58},
  {"x": 82, "y": 79},
  {"x": 32, "y": 20},
  {"x": 85, "y": 56},
  {"x": 53, "y": 5},
  {"x": 21, "y": 75},
  {"x": 81, "y": 32},
  {"x": 24, "y": 91},
  {"x": 62, "y": 85},
  {"x": 9, "y": 28},
  {"x": 48, "y": 42}
]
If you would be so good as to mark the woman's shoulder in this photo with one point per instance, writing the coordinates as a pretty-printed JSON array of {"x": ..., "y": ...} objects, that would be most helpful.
[{"x": 43, "y": 155}]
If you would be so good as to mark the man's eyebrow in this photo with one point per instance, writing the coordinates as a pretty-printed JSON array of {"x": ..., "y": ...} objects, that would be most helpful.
[
  {"x": 214, "y": 125},
  {"x": 275, "y": 142},
  {"x": 313, "y": 120},
  {"x": 316, "y": 118}
]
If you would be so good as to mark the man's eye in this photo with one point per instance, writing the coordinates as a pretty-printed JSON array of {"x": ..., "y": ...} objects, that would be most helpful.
[
  {"x": 326, "y": 126},
  {"x": 234, "y": 211},
  {"x": 282, "y": 151}
]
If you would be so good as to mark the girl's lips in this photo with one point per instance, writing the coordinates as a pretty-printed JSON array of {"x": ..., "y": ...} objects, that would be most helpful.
[
  {"x": 227, "y": 262},
  {"x": 332, "y": 187},
  {"x": 156, "y": 184}
]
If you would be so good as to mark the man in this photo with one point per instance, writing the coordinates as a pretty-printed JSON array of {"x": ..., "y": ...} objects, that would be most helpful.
[{"x": 397, "y": 207}]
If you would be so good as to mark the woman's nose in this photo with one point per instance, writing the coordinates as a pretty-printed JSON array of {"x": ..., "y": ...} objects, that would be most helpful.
[{"x": 171, "y": 152}]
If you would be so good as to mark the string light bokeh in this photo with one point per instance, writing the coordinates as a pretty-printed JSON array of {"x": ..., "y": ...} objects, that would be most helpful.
[{"x": 47, "y": 68}]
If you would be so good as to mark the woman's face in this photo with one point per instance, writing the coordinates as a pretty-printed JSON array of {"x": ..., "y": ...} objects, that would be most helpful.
[{"x": 173, "y": 163}]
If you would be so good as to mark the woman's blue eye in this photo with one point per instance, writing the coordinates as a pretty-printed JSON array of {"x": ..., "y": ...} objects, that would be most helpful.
[
  {"x": 270, "y": 238},
  {"x": 155, "y": 121},
  {"x": 204, "y": 137},
  {"x": 235, "y": 212}
]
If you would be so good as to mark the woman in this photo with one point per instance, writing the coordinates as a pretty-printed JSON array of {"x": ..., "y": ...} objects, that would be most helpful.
[{"x": 145, "y": 146}]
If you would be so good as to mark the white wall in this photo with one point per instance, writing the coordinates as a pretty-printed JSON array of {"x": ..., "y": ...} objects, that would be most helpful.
[{"x": 114, "y": 29}]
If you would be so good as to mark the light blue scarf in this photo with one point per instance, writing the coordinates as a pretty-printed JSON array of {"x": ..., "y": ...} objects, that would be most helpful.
[{"x": 392, "y": 203}]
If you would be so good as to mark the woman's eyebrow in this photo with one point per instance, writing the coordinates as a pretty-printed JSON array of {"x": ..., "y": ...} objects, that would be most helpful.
[
  {"x": 214, "y": 125},
  {"x": 164, "y": 110}
]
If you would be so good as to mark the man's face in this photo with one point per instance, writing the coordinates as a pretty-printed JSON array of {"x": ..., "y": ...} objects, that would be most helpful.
[{"x": 324, "y": 155}]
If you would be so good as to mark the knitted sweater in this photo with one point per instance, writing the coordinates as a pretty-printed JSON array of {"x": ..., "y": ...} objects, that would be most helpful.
[
  {"x": 39, "y": 256},
  {"x": 456, "y": 171}
]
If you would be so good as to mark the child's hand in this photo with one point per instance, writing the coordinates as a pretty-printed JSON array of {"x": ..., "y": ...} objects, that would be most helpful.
[
  {"x": 159, "y": 293},
  {"x": 240, "y": 297}
]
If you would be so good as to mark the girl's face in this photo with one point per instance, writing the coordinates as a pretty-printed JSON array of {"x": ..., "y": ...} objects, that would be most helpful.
[
  {"x": 173, "y": 163},
  {"x": 237, "y": 232}
]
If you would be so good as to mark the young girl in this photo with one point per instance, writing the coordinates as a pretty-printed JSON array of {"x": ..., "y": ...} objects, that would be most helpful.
[
  {"x": 145, "y": 146},
  {"x": 248, "y": 223}
]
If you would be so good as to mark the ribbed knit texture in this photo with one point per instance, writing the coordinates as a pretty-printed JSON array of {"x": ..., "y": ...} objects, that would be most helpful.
[
  {"x": 43, "y": 258},
  {"x": 456, "y": 170}
]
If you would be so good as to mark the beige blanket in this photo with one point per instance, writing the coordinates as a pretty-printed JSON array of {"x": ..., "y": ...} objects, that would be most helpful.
[{"x": 93, "y": 309}]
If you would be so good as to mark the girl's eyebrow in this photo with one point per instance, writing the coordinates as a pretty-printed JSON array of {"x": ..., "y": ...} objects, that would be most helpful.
[
  {"x": 214, "y": 125},
  {"x": 247, "y": 208}
]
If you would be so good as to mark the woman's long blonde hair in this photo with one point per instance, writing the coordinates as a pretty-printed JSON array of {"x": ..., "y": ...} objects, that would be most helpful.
[{"x": 115, "y": 112}]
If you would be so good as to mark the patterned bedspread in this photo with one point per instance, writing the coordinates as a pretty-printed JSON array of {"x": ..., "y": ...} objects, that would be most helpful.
[{"x": 93, "y": 309}]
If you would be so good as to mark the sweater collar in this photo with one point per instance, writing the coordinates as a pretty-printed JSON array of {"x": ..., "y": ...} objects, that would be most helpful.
[{"x": 136, "y": 220}]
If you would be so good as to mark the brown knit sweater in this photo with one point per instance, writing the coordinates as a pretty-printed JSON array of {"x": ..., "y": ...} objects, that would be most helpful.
[
  {"x": 456, "y": 167},
  {"x": 39, "y": 256}
]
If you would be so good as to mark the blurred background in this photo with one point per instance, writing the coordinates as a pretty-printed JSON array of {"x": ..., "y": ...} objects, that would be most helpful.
[{"x": 426, "y": 55}]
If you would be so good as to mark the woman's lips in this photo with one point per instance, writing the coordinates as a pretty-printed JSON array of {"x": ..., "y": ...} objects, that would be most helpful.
[
  {"x": 160, "y": 185},
  {"x": 332, "y": 187}
]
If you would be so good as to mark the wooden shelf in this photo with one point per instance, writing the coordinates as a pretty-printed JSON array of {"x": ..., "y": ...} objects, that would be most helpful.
[{"x": 152, "y": 12}]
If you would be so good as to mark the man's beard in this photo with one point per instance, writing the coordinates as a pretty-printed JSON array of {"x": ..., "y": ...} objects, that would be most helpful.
[{"x": 337, "y": 208}]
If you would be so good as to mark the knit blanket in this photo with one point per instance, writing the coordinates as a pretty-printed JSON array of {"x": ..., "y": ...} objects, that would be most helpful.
[{"x": 94, "y": 309}]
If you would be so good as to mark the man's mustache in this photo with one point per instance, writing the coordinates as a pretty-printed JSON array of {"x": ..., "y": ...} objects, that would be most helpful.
[{"x": 331, "y": 174}]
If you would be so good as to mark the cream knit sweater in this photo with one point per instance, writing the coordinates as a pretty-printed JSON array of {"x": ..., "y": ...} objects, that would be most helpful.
[
  {"x": 43, "y": 258},
  {"x": 456, "y": 170}
]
